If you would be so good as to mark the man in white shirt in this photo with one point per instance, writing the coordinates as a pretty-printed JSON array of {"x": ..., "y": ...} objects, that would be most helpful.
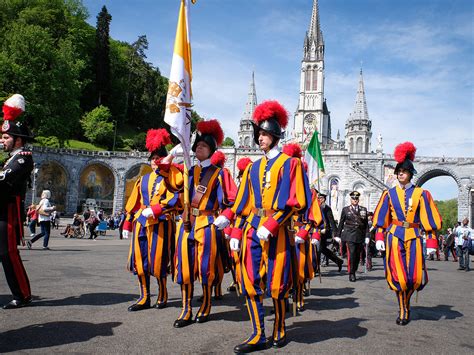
[{"x": 463, "y": 235}]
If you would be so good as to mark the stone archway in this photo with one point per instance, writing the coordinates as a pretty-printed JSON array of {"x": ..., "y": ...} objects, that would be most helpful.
[
  {"x": 437, "y": 171},
  {"x": 132, "y": 176},
  {"x": 97, "y": 181},
  {"x": 54, "y": 177}
]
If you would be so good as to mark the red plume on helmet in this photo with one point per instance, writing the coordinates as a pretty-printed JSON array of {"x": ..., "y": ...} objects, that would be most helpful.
[
  {"x": 157, "y": 138},
  {"x": 218, "y": 159},
  {"x": 404, "y": 151},
  {"x": 293, "y": 150},
  {"x": 242, "y": 163},
  {"x": 212, "y": 128},
  {"x": 271, "y": 109},
  {"x": 13, "y": 107}
]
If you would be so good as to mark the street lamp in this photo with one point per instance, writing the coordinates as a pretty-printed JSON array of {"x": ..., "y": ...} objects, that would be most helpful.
[{"x": 35, "y": 173}]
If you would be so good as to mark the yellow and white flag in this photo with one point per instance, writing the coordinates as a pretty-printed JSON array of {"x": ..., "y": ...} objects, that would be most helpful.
[{"x": 179, "y": 98}]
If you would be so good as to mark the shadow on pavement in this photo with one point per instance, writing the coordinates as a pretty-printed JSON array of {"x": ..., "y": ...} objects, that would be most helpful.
[
  {"x": 52, "y": 334},
  {"x": 434, "y": 313},
  {"x": 327, "y": 303},
  {"x": 316, "y": 331},
  {"x": 327, "y": 292},
  {"x": 88, "y": 299}
]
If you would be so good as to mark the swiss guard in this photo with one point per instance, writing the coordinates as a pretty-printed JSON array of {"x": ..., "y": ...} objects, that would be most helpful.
[
  {"x": 402, "y": 212},
  {"x": 272, "y": 190},
  {"x": 197, "y": 234},
  {"x": 14, "y": 178},
  {"x": 150, "y": 219}
]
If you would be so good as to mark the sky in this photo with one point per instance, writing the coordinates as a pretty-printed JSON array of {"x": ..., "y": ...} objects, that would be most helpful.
[{"x": 416, "y": 58}]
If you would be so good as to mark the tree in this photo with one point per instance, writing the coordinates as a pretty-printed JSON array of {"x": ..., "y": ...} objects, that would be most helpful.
[
  {"x": 102, "y": 55},
  {"x": 228, "y": 142},
  {"x": 96, "y": 125},
  {"x": 449, "y": 213}
]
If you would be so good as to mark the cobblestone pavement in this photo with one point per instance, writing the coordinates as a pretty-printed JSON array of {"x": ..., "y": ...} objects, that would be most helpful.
[{"x": 82, "y": 290}]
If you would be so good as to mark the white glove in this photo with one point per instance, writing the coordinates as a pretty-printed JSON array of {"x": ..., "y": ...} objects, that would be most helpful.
[
  {"x": 125, "y": 234},
  {"x": 226, "y": 236},
  {"x": 234, "y": 244},
  {"x": 221, "y": 222},
  {"x": 147, "y": 212},
  {"x": 316, "y": 242},
  {"x": 380, "y": 245},
  {"x": 337, "y": 239},
  {"x": 430, "y": 251},
  {"x": 367, "y": 240},
  {"x": 263, "y": 233},
  {"x": 299, "y": 240},
  {"x": 323, "y": 231}
]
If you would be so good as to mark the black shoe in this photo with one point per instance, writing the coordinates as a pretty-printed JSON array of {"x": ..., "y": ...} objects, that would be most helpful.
[
  {"x": 404, "y": 321},
  {"x": 300, "y": 308},
  {"x": 231, "y": 288},
  {"x": 202, "y": 319},
  {"x": 280, "y": 343},
  {"x": 352, "y": 278},
  {"x": 249, "y": 348},
  {"x": 46, "y": 248},
  {"x": 159, "y": 305},
  {"x": 28, "y": 244},
  {"x": 461, "y": 268},
  {"x": 307, "y": 293},
  {"x": 181, "y": 323},
  {"x": 218, "y": 298},
  {"x": 138, "y": 307},
  {"x": 17, "y": 303},
  {"x": 398, "y": 321},
  {"x": 339, "y": 266}
]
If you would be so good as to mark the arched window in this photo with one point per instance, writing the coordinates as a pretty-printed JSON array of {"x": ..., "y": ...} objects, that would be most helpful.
[
  {"x": 367, "y": 145},
  {"x": 247, "y": 141},
  {"x": 351, "y": 145},
  {"x": 315, "y": 79},
  {"x": 307, "y": 85},
  {"x": 359, "y": 145}
]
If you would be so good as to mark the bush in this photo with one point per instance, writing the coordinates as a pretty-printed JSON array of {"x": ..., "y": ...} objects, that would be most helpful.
[
  {"x": 139, "y": 142},
  {"x": 50, "y": 141},
  {"x": 96, "y": 126}
]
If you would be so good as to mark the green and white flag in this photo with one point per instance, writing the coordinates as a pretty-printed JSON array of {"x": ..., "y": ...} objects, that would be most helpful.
[{"x": 314, "y": 159}]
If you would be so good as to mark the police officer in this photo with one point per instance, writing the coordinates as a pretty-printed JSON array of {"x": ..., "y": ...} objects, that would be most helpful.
[
  {"x": 14, "y": 176},
  {"x": 353, "y": 227}
]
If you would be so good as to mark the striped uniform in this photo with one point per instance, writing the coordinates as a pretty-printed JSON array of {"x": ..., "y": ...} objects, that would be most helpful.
[
  {"x": 197, "y": 251},
  {"x": 152, "y": 238},
  {"x": 404, "y": 262},
  {"x": 306, "y": 252},
  {"x": 275, "y": 190}
]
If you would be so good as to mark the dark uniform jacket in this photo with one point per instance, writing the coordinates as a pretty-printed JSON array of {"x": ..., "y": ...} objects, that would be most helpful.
[
  {"x": 14, "y": 177},
  {"x": 329, "y": 223},
  {"x": 353, "y": 226}
]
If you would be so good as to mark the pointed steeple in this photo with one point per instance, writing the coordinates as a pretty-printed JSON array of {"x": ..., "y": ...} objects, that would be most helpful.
[
  {"x": 314, "y": 28},
  {"x": 360, "y": 108},
  {"x": 251, "y": 101}
]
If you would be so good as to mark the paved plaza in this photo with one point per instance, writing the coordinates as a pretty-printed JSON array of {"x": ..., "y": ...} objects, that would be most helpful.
[{"x": 82, "y": 290}]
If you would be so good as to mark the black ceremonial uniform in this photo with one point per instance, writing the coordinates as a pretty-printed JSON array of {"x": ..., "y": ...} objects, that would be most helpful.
[
  {"x": 353, "y": 227},
  {"x": 330, "y": 227},
  {"x": 14, "y": 176}
]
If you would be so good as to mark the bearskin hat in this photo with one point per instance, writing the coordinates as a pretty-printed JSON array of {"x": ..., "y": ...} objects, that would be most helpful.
[
  {"x": 404, "y": 154},
  {"x": 271, "y": 117},
  {"x": 210, "y": 132},
  {"x": 156, "y": 141},
  {"x": 218, "y": 159}
]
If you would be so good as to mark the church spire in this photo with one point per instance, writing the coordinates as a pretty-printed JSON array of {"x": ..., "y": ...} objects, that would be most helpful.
[
  {"x": 360, "y": 108},
  {"x": 251, "y": 101},
  {"x": 314, "y": 28}
]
